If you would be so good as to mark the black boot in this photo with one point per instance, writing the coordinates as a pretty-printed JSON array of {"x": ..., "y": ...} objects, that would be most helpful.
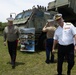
[
  {"x": 68, "y": 72},
  {"x": 52, "y": 59},
  {"x": 13, "y": 65},
  {"x": 47, "y": 61}
]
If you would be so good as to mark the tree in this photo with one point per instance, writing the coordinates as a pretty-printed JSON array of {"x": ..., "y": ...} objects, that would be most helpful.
[{"x": 0, "y": 24}]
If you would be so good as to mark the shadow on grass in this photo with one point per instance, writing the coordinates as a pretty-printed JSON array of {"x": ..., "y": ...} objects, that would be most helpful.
[
  {"x": 27, "y": 52},
  {"x": 17, "y": 63}
]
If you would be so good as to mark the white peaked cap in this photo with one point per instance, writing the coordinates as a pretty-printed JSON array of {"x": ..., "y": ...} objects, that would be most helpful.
[
  {"x": 10, "y": 19},
  {"x": 50, "y": 20}
]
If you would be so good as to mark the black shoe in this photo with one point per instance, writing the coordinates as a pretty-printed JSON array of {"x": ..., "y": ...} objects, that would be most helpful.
[
  {"x": 68, "y": 72},
  {"x": 59, "y": 74},
  {"x": 47, "y": 61},
  {"x": 13, "y": 66}
]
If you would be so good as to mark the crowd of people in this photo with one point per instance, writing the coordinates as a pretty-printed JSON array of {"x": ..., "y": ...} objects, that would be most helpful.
[{"x": 64, "y": 35}]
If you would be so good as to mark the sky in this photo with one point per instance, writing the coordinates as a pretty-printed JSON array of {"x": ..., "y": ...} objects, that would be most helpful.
[{"x": 17, "y": 6}]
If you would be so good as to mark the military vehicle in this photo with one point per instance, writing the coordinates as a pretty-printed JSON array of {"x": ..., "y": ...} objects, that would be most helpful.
[
  {"x": 66, "y": 7},
  {"x": 34, "y": 18}
]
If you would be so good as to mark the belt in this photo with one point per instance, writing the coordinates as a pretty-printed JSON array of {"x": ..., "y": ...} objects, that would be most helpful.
[{"x": 67, "y": 45}]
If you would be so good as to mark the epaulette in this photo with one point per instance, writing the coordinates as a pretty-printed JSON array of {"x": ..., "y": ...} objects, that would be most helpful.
[{"x": 68, "y": 23}]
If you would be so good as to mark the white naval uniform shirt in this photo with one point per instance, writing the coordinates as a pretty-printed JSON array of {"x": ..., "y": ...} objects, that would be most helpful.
[{"x": 65, "y": 35}]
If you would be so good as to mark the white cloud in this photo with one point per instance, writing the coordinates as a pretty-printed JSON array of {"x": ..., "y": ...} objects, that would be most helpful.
[{"x": 16, "y": 6}]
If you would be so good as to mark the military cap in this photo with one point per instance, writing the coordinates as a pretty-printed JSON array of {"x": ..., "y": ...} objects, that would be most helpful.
[
  {"x": 57, "y": 16},
  {"x": 50, "y": 20}
]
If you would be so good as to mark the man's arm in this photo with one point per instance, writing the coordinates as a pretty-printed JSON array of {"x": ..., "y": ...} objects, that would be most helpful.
[
  {"x": 4, "y": 36},
  {"x": 75, "y": 42},
  {"x": 54, "y": 44},
  {"x": 45, "y": 28}
]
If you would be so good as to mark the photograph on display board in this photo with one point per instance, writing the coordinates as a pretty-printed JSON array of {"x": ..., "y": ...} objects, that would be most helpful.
[{"x": 27, "y": 39}]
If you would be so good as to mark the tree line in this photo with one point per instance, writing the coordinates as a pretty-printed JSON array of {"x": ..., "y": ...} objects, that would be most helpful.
[{"x": 2, "y": 26}]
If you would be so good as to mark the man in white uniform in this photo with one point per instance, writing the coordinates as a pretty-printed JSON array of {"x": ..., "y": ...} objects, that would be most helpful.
[{"x": 65, "y": 35}]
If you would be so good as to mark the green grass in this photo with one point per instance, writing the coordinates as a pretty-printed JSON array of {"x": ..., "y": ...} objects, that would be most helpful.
[{"x": 28, "y": 63}]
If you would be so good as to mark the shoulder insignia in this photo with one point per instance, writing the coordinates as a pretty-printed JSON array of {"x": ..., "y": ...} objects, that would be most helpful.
[{"x": 68, "y": 23}]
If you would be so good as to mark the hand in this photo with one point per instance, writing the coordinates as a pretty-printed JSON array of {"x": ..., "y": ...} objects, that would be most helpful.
[
  {"x": 47, "y": 24},
  {"x": 53, "y": 51},
  {"x": 19, "y": 41},
  {"x": 75, "y": 48},
  {"x": 4, "y": 43}
]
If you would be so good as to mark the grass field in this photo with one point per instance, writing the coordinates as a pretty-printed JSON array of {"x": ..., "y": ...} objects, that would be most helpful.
[{"x": 28, "y": 63}]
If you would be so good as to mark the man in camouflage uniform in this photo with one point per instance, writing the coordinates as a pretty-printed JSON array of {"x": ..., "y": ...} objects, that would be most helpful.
[{"x": 11, "y": 34}]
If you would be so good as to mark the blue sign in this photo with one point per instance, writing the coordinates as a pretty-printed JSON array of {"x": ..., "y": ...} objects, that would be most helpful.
[{"x": 27, "y": 38}]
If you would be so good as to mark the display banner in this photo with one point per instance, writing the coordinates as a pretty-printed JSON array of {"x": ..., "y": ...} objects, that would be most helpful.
[{"x": 27, "y": 39}]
